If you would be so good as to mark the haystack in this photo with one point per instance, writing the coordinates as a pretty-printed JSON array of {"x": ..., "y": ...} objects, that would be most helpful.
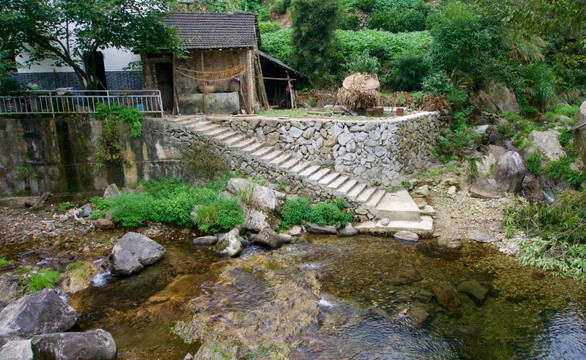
[{"x": 359, "y": 91}]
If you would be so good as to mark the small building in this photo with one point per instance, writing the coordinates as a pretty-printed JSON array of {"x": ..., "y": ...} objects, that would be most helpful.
[{"x": 221, "y": 71}]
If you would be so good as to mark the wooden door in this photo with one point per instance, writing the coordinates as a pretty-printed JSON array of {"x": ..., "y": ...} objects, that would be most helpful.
[{"x": 165, "y": 84}]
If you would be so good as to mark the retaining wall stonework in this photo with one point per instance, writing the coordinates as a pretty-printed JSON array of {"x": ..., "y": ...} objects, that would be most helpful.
[{"x": 378, "y": 152}]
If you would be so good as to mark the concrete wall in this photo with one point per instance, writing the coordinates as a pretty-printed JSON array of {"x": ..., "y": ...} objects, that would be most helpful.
[
  {"x": 383, "y": 151},
  {"x": 44, "y": 154}
]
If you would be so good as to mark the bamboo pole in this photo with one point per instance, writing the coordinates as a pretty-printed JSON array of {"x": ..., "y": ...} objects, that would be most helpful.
[{"x": 204, "y": 86}]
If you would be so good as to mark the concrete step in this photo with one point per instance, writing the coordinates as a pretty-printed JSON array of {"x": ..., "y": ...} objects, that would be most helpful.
[
  {"x": 220, "y": 131},
  {"x": 329, "y": 178},
  {"x": 262, "y": 151},
  {"x": 374, "y": 199},
  {"x": 253, "y": 147},
  {"x": 272, "y": 155},
  {"x": 398, "y": 206},
  {"x": 289, "y": 163},
  {"x": 319, "y": 174},
  {"x": 226, "y": 135},
  {"x": 428, "y": 210},
  {"x": 234, "y": 139},
  {"x": 365, "y": 194},
  {"x": 347, "y": 186},
  {"x": 423, "y": 227},
  {"x": 356, "y": 190},
  {"x": 339, "y": 181},
  {"x": 204, "y": 128},
  {"x": 281, "y": 159},
  {"x": 309, "y": 171},
  {"x": 302, "y": 165},
  {"x": 243, "y": 143}
]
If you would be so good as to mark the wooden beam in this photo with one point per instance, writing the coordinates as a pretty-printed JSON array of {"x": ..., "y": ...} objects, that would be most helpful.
[
  {"x": 175, "y": 97},
  {"x": 204, "y": 85},
  {"x": 290, "y": 91},
  {"x": 278, "y": 79}
]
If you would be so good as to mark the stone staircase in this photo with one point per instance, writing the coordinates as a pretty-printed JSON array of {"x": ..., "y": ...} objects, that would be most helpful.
[{"x": 401, "y": 210}]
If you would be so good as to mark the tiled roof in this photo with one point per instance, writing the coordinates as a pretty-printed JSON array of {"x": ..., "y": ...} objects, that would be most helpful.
[{"x": 216, "y": 30}]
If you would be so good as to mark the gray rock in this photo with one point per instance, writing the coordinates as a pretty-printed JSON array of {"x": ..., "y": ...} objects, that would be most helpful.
[
  {"x": 480, "y": 236},
  {"x": 295, "y": 231},
  {"x": 285, "y": 238},
  {"x": 205, "y": 241},
  {"x": 403, "y": 276},
  {"x": 194, "y": 213},
  {"x": 496, "y": 99},
  {"x": 316, "y": 229},
  {"x": 272, "y": 138},
  {"x": 475, "y": 290},
  {"x": 259, "y": 197},
  {"x": 547, "y": 143},
  {"x": 509, "y": 171},
  {"x": 91, "y": 345},
  {"x": 452, "y": 244},
  {"x": 38, "y": 313},
  {"x": 268, "y": 238},
  {"x": 111, "y": 191},
  {"x": 104, "y": 224},
  {"x": 348, "y": 230},
  {"x": 422, "y": 191},
  {"x": 86, "y": 211},
  {"x": 133, "y": 245},
  {"x": 485, "y": 189},
  {"x": 230, "y": 244},
  {"x": 410, "y": 316},
  {"x": 406, "y": 236},
  {"x": 256, "y": 220},
  {"x": 452, "y": 190},
  {"x": 385, "y": 221},
  {"x": 17, "y": 350},
  {"x": 188, "y": 356}
]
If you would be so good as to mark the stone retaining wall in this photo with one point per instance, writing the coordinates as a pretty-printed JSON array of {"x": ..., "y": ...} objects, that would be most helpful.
[{"x": 378, "y": 152}]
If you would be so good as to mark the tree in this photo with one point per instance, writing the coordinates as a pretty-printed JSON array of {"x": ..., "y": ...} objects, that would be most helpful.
[
  {"x": 314, "y": 42},
  {"x": 71, "y": 32}
]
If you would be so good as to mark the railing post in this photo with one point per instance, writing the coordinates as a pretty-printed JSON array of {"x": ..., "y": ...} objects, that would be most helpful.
[
  {"x": 161, "y": 104},
  {"x": 108, "y": 97},
  {"x": 51, "y": 100}
]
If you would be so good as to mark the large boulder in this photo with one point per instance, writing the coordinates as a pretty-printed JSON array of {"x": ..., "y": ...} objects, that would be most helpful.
[
  {"x": 38, "y": 313},
  {"x": 133, "y": 252},
  {"x": 262, "y": 206},
  {"x": 111, "y": 191},
  {"x": 17, "y": 350},
  {"x": 230, "y": 244},
  {"x": 475, "y": 290},
  {"x": 509, "y": 171},
  {"x": 269, "y": 238},
  {"x": 547, "y": 143},
  {"x": 500, "y": 171},
  {"x": 496, "y": 99},
  {"x": 317, "y": 229},
  {"x": 91, "y": 345}
]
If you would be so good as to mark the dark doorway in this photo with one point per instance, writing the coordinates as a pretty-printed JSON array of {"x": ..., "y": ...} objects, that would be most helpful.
[
  {"x": 95, "y": 61},
  {"x": 165, "y": 84}
]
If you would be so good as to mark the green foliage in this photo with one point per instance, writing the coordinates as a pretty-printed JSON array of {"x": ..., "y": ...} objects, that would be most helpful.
[
  {"x": 313, "y": 41},
  {"x": 268, "y": 26},
  {"x": 562, "y": 170},
  {"x": 299, "y": 210},
  {"x": 408, "y": 72},
  {"x": 555, "y": 112},
  {"x": 558, "y": 232},
  {"x": 396, "y": 21},
  {"x": 437, "y": 83},
  {"x": 533, "y": 159},
  {"x": 76, "y": 265},
  {"x": 113, "y": 117},
  {"x": 281, "y": 6},
  {"x": 350, "y": 22},
  {"x": 460, "y": 140},
  {"x": 201, "y": 161},
  {"x": 295, "y": 211},
  {"x": 64, "y": 206},
  {"x": 222, "y": 214},
  {"x": 538, "y": 84},
  {"x": 36, "y": 28},
  {"x": 26, "y": 172},
  {"x": 3, "y": 262},
  {"x": 131, "y": 210},
  {"x": 362, "y": 63},
  {"x": 37, "y": 280}
]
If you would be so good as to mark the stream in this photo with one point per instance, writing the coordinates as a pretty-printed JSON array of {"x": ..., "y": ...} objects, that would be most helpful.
[{"x": 363, "y": 297}]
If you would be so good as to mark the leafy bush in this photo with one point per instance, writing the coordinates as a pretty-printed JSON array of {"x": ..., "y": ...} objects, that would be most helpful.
[
  {"x": 538, "y": 84},
  {"x": 328, "y": 214},
  {"x": 408, "y": 72},
  {"x": 460, "y": 140},
  {"x": 558, "y": 232},
  {"x": 437, "y": 83},
  {"x": 64, "y": 206},
  {"x": 562, "y": 170},
  {"x": 131, "y": 210},
  {"x": 222, "y": 214},
  {"x": 281, "y": 6},
  {"x": 366, "y": 5},
  {"x": 3, "y": 262},
  {"x": 201, "y": 161},
  {"x": 350, "y": 22},
  {"x": 295, "y": 211},
  {"x": 533, "y": 160},
  {"x": 362, "y": 63},
  {"x": 397, "y": 21},
  {"x": 268, "y": 26},
  {"x": 38, "y": 280}
]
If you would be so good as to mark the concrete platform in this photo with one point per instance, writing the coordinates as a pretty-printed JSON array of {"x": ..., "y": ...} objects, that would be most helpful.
[{"x": 424, "y": 227}]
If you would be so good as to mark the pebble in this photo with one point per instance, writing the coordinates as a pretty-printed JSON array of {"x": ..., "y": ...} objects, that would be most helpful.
[{"x": 385, "y": 221}]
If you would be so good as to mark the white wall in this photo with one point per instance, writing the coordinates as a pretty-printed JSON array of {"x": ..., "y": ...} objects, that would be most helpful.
[{"x": 114, "y": 60}]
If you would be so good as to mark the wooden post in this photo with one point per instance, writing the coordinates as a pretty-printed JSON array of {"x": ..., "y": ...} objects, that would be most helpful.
[
  {"x": 250, "y": 83},
  {"x": 261, "y": 83},
  {"x": 204, "y": 84},
  {"x": 290, "y": 90},
  {"x": 175, "y": 97}
]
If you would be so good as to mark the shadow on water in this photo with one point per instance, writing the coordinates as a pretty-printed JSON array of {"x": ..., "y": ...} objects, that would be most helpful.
[{"x": 366, "y": 284}]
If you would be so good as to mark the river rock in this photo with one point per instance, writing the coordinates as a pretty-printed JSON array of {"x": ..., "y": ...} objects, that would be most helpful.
[
  {"x": 547, "y": 143},
  {"x": 475, "y": 290},
  {"x": 421, "y": 191},
  {"x": 410, "y": 316},
  {"x": 38, "y": 313},
  {"x": 133, "y": 252},
  {"x": 317, "y": 229},
  {"x": 480, "y": 236},
  {"x": 348, "y": 230},
  {"x": 229, "y": 244},
  {"x": 111, "y": 191},
  {"x": 496, "y": 99},
  {"x": 406, "y": 236},
  {"x": 268, "y": 238},
  {"x": 403, "y": 276},
  {"x": 385, "y": 221},
  {"x": 448, "y": 298},
  {"x": 295, "y": 231},
  {"x": 17, "y": 350},
  {"x": 257, "y": 220},
  {"x": 509, "y": 171},
  {"x": 91, "y": 345},
  {"x": 104, "y": 224},
  {"x": 260, "y": 197},
  {"x": 205, "y": 241}
]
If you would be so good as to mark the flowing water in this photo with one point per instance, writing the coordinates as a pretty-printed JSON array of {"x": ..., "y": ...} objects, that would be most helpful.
[{"x": 338, "y": 298}]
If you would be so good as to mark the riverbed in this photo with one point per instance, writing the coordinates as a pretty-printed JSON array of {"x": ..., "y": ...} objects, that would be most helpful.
[{"x": 363, "y": 297}]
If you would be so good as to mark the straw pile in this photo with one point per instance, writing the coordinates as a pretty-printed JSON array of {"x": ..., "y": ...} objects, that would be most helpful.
[{"x": 359, "y": 91}]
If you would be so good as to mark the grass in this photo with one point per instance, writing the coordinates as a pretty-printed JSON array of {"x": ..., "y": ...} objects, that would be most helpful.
[
  {"x": 3, "y": 262},
  {"x": 37, "y": 280},
  {"x": 299, "y": 210}
]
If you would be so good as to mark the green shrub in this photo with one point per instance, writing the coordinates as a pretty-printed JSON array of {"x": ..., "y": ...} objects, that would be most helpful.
[
  {"x": 131, "y": 210},
  {"x": 533, "y": 160},
  {"x": 64, "y": 206},
  {"x": 437, "y": 83},
  {"x": 222, "y": 214},
  {"x": 408, "y": 72},
  {"x": 397, "y": 21},
  {"x": 39, "y": 280},
  {"x": 3, "y": 262},
  {"x": 74, "y": 265},
  {"x": 281, "y": 6},
  {"x": 295, "y": 212},
  {"x": 268, "y": 26},
  {"x": 528, "y": 110},
  {"x": 562, "y": 170},
  {"x": 362, "y": 63},
  {"x": 366, "y": 5},
  {"x": 350, "y": 22},
  {"x": 460, "y": 140},
  {"x": 201, "y": 161},
  {"x": 328, "y": 214}
]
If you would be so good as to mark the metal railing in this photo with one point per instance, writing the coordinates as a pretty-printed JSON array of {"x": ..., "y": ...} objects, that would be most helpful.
[{"x": 79, "y": 101}]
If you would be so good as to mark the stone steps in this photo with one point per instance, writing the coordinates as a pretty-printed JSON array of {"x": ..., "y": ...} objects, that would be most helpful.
[{"x": 401, "y": 210}]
